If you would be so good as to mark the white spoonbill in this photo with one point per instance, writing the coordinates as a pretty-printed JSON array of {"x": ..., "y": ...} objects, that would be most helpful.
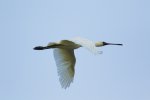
[{"x": 65, "y": 58}]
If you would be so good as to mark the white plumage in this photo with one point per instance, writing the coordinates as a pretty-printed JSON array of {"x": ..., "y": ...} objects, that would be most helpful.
[
  {"x": 65, "y": 58},
  {"x": 88, "y": 44},
  {"x": 65, "y": 61}
]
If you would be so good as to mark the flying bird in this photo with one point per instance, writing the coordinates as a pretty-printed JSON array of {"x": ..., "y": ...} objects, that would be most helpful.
[{"x": 65, "y": 57}]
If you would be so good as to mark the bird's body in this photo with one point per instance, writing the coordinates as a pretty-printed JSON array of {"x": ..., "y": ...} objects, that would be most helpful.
[
  {"x": 64, "y": 44},
  {"x": 65, "y": 58}
]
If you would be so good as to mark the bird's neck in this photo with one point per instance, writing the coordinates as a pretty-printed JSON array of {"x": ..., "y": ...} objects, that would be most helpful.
[{"x": 99, "y": 44}]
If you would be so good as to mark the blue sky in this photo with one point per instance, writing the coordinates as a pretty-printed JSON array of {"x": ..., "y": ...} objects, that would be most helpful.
[{"x": 120, "y": 73}]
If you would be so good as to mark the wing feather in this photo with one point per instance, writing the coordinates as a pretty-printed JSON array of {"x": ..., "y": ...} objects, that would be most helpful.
[
  {"x": 88, "y": 44},
  {"x": 65, "y": 61}
]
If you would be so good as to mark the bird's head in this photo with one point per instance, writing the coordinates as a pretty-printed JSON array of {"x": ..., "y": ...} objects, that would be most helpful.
[{"x": 99, "y": 44}]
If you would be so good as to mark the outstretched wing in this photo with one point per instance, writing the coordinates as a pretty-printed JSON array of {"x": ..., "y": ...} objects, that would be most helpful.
[
  {"x": 88, "y": 44},
  {"x": 65, "y": 61}
]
